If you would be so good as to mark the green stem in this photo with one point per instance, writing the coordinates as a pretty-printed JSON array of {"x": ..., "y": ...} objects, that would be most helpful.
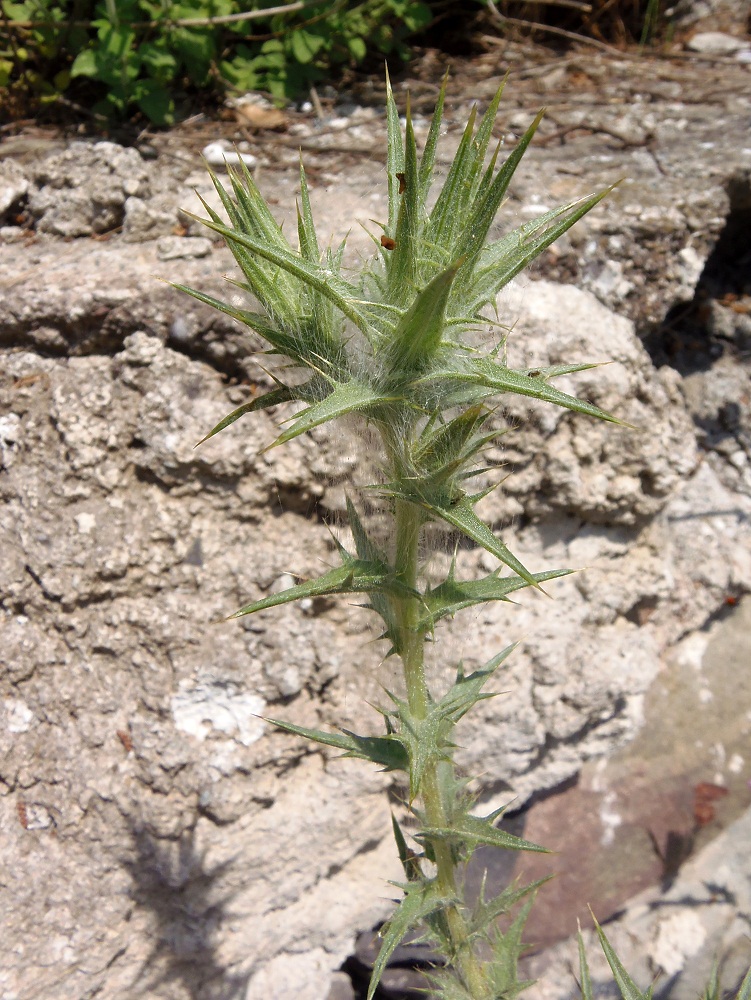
[{"x": 412, "y": 646}]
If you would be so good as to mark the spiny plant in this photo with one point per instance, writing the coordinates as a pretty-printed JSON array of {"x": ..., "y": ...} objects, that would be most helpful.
[{"x": 398, "y": 349}]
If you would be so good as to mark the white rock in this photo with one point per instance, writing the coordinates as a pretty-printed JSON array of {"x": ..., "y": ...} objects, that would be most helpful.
[
  {"x": 206, "y": 708},
  {"x": 610, "y": 282},
  {"x": 690, "y": 266},
  {"x": 217, "y": 154},
  {"x": 13, "y": 185},
  {"x": 148, "y": 219},
  {"x": 86, "y": 523},
  {"x": 715, "y": 43},
  {"x": 182, "y": 247},
  {"x": 20, "y": 716},
  {"x": 679, "y": 936},
  {"x": 10, "y": 430},
  {"x": 306, "y": 976}
]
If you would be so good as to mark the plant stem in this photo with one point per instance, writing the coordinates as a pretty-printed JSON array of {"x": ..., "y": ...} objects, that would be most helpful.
[
  {"x": 408, "y": 523},
  {"x": 412, "y": 645}
]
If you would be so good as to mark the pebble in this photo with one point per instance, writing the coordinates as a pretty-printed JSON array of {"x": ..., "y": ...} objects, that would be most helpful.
[
  {"x": 716, "y": 43},
  {"x": 182, "y": 247},
  {"x": 217, "y": 154}
]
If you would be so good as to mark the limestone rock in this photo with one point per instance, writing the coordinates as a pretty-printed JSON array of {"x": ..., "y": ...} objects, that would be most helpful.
[
  {"x": 600, "y": 472},
  {"x": 150, "y": 218},
  {"x": 83, "y": 189},
  {"x": 183, "y": 247}
]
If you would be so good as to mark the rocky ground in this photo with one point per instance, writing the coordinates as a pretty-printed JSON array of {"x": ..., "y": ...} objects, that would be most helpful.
[{"x": 158, "y": 838}]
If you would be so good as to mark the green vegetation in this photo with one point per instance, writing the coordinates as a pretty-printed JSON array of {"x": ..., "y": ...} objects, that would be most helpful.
[
  {"x": 119, "y": 56},
  {"x": 123, "y": 58}
]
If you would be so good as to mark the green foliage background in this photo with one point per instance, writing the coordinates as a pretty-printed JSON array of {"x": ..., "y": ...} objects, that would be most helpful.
[
  {"x": 117, "y": 56},
  {"x": 120, "y": 58}
]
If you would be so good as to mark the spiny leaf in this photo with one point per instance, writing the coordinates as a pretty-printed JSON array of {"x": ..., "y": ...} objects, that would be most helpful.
[
  {"x": 449, "y": 215},
  {"x": 444, "y": 478},
  {"x": 744, "y": 993},
  {"x": 495, "y": 254},
  {"x": 281, "y": 395},
  {"x": 471, "y": 831},
  {"x": 346, "y": 397},
  {"x": 487, "y": 912},
  {"x": 364, "y": 546},
  {"x": 306, "y": 229},
  {"x": 553, "y": 371},
  {"x": 485, "y": 131},
  {"x": 445, "y": 983},
  {"x": 355, "y": 576},
  {"x": 457, "y": 511},
  {"x": 337, "y": 581},
  {"x": 461, "y": 515},
  {"x": 418, "y": 335},
  {"x": 426, "y": 740},
  {"x": 481, "y": 219},
  {"x": 467, "y": 689},
  {"x": 258, "y": 210},
  {"x": 507, "y": 947},
  {"x": 427, "y": 161},
  {"x": 502, "y": 261},
  {"x": 454, "y": 595},
  {"x": 626, "y": 986},
  {"x": 401, "y": 261},
  {"x": 585, "y": 979},
  {"x": 486, "y": 181},
  {"x": 712, "y": 990},
  {"x": 437, "y": 445},
  {"x": 394, "y": 154},
  {"x": 340, "y": 292},
  {"x": 480, "y": 371},
  {"x": 253, "y": 217},
  {"x": 420, "y": 900},
  {"x": 275, "y": 291},
  {"x": 409, "y": 860},
  {"x": 284, "y": 343},
  {"x": 380, "y": 750}
]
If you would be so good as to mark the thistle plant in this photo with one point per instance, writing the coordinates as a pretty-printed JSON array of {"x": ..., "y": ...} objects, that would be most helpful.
[{"x": 397, "y": 349}]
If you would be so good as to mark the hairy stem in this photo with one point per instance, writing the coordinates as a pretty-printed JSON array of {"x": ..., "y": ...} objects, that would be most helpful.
[{"x": 412, "y": 645}]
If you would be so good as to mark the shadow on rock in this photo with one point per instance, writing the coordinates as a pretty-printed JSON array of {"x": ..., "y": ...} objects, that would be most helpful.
[{"x": 170, "y": 879}]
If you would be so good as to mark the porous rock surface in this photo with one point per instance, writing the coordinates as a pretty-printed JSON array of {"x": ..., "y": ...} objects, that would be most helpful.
[{"x": 158, "y": 837}]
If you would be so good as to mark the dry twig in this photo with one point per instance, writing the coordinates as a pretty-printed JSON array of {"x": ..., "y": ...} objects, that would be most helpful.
[{"x": 503, "y": 19}]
